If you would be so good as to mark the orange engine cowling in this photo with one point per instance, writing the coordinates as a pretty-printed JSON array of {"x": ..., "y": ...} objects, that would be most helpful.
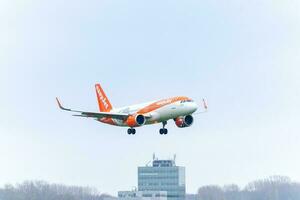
[
  {"x": 184, "y": 121},
  {"x": 136, "y": 120}
]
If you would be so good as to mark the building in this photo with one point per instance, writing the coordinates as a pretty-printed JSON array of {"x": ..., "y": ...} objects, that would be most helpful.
[
  {"x": 142, "y": 195},
  {"x": 191, "y": 197},
  {"x": 163, "y": 175},
  {"x": 108, "y": 197}
]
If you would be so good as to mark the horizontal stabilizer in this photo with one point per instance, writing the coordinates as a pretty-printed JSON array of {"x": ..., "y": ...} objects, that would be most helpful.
[{"x": 97, "y": 115}]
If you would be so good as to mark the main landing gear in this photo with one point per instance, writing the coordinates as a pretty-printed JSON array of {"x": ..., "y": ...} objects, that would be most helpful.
[
  {"x": 131, "y": 131},
  {"x": 163, "y": 131}
]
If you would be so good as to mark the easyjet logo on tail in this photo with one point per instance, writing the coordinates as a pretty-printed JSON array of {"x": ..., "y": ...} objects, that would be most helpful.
[
  {"x": 102, "y": 98},
  {"x": 104, "y": 104}
]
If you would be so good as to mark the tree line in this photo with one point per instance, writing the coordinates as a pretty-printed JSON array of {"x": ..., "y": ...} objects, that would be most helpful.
[
  {"x": 272, "y": 188},
  {"x": 40, "y": 190}
]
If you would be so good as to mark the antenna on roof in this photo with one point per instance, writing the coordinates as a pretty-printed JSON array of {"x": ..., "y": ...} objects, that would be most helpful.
[
  {"x": 174, "y": 158},
  {"x": 153, "y": 157}
]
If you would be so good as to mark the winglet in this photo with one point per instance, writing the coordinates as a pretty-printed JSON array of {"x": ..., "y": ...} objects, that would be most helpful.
[
  {"x": 205, "y": 104},
  {"x": 60, "y": 106}
]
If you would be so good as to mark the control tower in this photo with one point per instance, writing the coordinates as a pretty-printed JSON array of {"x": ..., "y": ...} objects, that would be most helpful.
[{"x": 163, "y": 175}]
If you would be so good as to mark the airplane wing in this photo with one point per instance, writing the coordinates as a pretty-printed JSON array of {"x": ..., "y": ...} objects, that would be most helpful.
[{"x": 96, "y": 115}]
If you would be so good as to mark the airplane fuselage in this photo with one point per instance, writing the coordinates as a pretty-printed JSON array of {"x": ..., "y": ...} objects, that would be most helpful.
[{"x": 156, "y": 111}]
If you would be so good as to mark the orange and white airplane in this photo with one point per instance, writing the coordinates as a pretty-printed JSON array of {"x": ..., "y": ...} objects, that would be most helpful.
[{"x": 180, "y": 109}]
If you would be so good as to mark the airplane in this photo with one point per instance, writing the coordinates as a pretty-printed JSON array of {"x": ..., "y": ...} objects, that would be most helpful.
[{"x": 179, "y": 108}]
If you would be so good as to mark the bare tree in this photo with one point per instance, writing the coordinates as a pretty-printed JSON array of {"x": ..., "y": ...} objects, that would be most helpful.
[
  {"x": 272, "y": 188},
  {"x": 212, "y": 192},
  {"x": 40, "y": 190}
]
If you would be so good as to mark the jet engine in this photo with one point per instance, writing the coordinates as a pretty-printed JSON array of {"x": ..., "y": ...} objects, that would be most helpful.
[
  {"x": 184, "y": 121},
  {"x": 136, "y": 120}
]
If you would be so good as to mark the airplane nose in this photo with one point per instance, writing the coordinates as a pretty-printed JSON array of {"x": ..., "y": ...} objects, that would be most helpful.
[{"x": 193, "y": 107}]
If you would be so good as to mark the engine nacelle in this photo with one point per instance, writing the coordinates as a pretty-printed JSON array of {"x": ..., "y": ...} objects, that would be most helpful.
[
  {"x": 136, "y": 120},
  {"x": 185, "y": 121}
]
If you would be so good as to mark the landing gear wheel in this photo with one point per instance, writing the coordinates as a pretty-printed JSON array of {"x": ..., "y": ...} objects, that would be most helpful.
[
  {"x": 163, "y": 131},
  {"x": 131, "y": 131}
]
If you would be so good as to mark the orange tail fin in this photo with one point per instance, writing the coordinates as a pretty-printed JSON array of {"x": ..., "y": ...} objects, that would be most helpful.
[{"x": 103, "y": 102}]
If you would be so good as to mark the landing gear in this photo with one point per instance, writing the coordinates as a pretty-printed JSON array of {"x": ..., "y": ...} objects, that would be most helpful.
[
  {"x": 163, "y": 131},
  {"x": 131, "y": 131}
]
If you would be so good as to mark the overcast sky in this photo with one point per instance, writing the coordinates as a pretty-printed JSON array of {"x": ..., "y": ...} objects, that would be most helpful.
[{"x": 242, "y": 56}]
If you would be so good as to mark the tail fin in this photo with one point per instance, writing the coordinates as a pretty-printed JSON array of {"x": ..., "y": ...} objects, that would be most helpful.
[{"x": 103, "y": 102}]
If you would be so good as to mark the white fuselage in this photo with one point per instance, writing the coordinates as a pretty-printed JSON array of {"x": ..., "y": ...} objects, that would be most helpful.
[{"x": 160, "y": 114}]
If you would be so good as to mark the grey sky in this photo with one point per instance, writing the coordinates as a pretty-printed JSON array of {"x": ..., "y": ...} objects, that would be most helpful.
[{"x": 242, "y": 56}]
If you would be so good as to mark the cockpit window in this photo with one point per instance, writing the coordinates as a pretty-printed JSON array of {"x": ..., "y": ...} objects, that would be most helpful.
[{"x": 188, "y": 100}]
